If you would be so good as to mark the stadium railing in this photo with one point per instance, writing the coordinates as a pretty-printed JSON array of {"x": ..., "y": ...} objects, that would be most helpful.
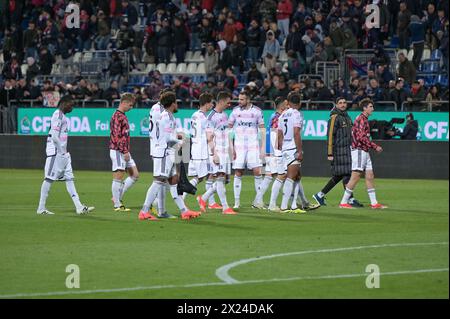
[
  {"x": 79, "y": 103},
  {"x": 390, "y": 106},
  {"x": 303, "y": 77},
  {"x": 317, "y": 105},
  {"x": 3, "y": 119},
  {"x": 330, "y": 71},
  {"x": 425, "y": 106}
]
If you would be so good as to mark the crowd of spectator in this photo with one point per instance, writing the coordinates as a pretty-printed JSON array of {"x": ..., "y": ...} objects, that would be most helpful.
[{"x": 234, "y": 36}]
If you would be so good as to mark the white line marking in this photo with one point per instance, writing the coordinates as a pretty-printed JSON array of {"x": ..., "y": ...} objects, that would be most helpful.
[
  {"x": 82, "y": 292},
  {"x": 223, "y": 283},
  {"x": 222, "y": 272}
]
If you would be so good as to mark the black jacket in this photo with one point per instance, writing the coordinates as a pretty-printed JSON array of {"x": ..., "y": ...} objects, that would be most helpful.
[{"x": 339, "y": 142}]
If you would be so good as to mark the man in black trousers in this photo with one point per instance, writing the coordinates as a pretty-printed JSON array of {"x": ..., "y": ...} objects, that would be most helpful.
[{"x": 339, "y": 142}]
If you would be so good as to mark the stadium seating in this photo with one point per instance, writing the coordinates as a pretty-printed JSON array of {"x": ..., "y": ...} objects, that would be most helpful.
[
  {"x": 192, "y": 68},
  {"x": 181, "y": 68},
  {"x": 201, "y": 68},
  {"x": 24, "y": 68},
  {"x": 77, "y": 57},
  {"x": 410, "y": 55},
  {"x": 426, "y": 54},
  {"x": 161, "y": 68},
  {"x": 171, "y": 68},
  {"x": 436, "y": 54},
  {"x": 197, "y": 57},
  {"x": 150, "y": 67},
  {"x": 283, "y": 56},
  {"x": 442, "y": 80}
]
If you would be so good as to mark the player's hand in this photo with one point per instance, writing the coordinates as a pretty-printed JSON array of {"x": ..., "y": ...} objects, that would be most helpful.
[
  {"x": 126, "y": 157},
  {"x": 234, "y": 155},
  {"x": 330, "y": 158},
  {"x": 300, "y": 156},
  {"x": 379, "y": 149}
]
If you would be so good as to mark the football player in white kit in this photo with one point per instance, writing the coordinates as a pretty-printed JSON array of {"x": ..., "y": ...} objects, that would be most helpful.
[
  {"x": 154, "y": 117},
  {"x": 198, "y": 165},
  {"x": 274, "y": 162},
  {"x": 164, "y": 170},
  {"x": 58, "y": 165},
  {"x": 247, "y": 122},
  {"x": 219, "y": 151},
  {"x": 290, "y": 143}
]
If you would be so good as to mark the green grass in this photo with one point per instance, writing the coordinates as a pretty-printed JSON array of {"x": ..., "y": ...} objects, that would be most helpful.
[{"x": 116, "y": 250}]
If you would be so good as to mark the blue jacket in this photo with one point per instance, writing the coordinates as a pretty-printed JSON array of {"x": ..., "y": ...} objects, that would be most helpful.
[{"x": 417, "y": 30}]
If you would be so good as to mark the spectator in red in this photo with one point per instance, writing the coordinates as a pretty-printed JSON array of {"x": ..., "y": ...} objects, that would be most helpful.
[
  {"x": 284, "y": 12},
  {"x": 229, "y": 30}
]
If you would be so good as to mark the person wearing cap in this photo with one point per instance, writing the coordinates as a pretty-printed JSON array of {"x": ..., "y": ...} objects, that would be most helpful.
[
  {"x": 271, "y": 50},
  {"x": 339, "y": 142}
]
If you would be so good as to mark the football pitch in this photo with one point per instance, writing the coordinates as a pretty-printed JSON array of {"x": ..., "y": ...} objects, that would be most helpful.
[{"x": 255, "y": 254}]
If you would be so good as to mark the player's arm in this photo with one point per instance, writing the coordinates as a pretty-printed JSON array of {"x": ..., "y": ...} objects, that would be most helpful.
[
  {"x": 280, "y": 138},
  {"x": 55, "y": 134},
  {"x": 298, "y": 136},
  {"x": 298, "y": 142},
  {"x": 330, "y": 135}
]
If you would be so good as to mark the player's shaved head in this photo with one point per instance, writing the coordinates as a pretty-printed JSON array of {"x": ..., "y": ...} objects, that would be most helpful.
[
  {"x": 294, "y": 99},
  {"x": 66, "y": 104}
]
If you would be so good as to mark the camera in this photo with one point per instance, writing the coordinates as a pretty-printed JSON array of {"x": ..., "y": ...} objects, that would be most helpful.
[{"x": 379, "y": 129}]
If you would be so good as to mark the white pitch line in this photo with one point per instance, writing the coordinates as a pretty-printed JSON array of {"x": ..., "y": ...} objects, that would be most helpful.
[
  {"x": 82, "y": 292},
  {"x": 235, "y": 282},
  {"x": 222, "y": 272}
]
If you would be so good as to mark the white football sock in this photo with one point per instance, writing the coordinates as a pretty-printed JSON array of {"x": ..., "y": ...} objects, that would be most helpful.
[
  {"x": 129, "y": 181},
  {"x": 220, "y": 184},
  {"x": 45, "y": 189},
  {"x": 301, "y": 193},
  {"x": 210, "y": 192},
  {"x": 116, "y": 190},
  {"x": 287, "y": 191},
  {"x": 258, "y": 180},
  {"x": 70, "y": 186},
  {"x": 152, "y": 193},
  {"x": 237, "y": 185},
  {"x": 177, "y": 198},
  {"x": 347, "y": 194},
  {"x": 263, "y": 188},
  {"x": 161, "y": 198},
  {"x": 294, "y": 196},
  {"x": 209, "y": 184},
  {"x": 372, "y": 196},
  {"x": 276, "y": 187}
]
